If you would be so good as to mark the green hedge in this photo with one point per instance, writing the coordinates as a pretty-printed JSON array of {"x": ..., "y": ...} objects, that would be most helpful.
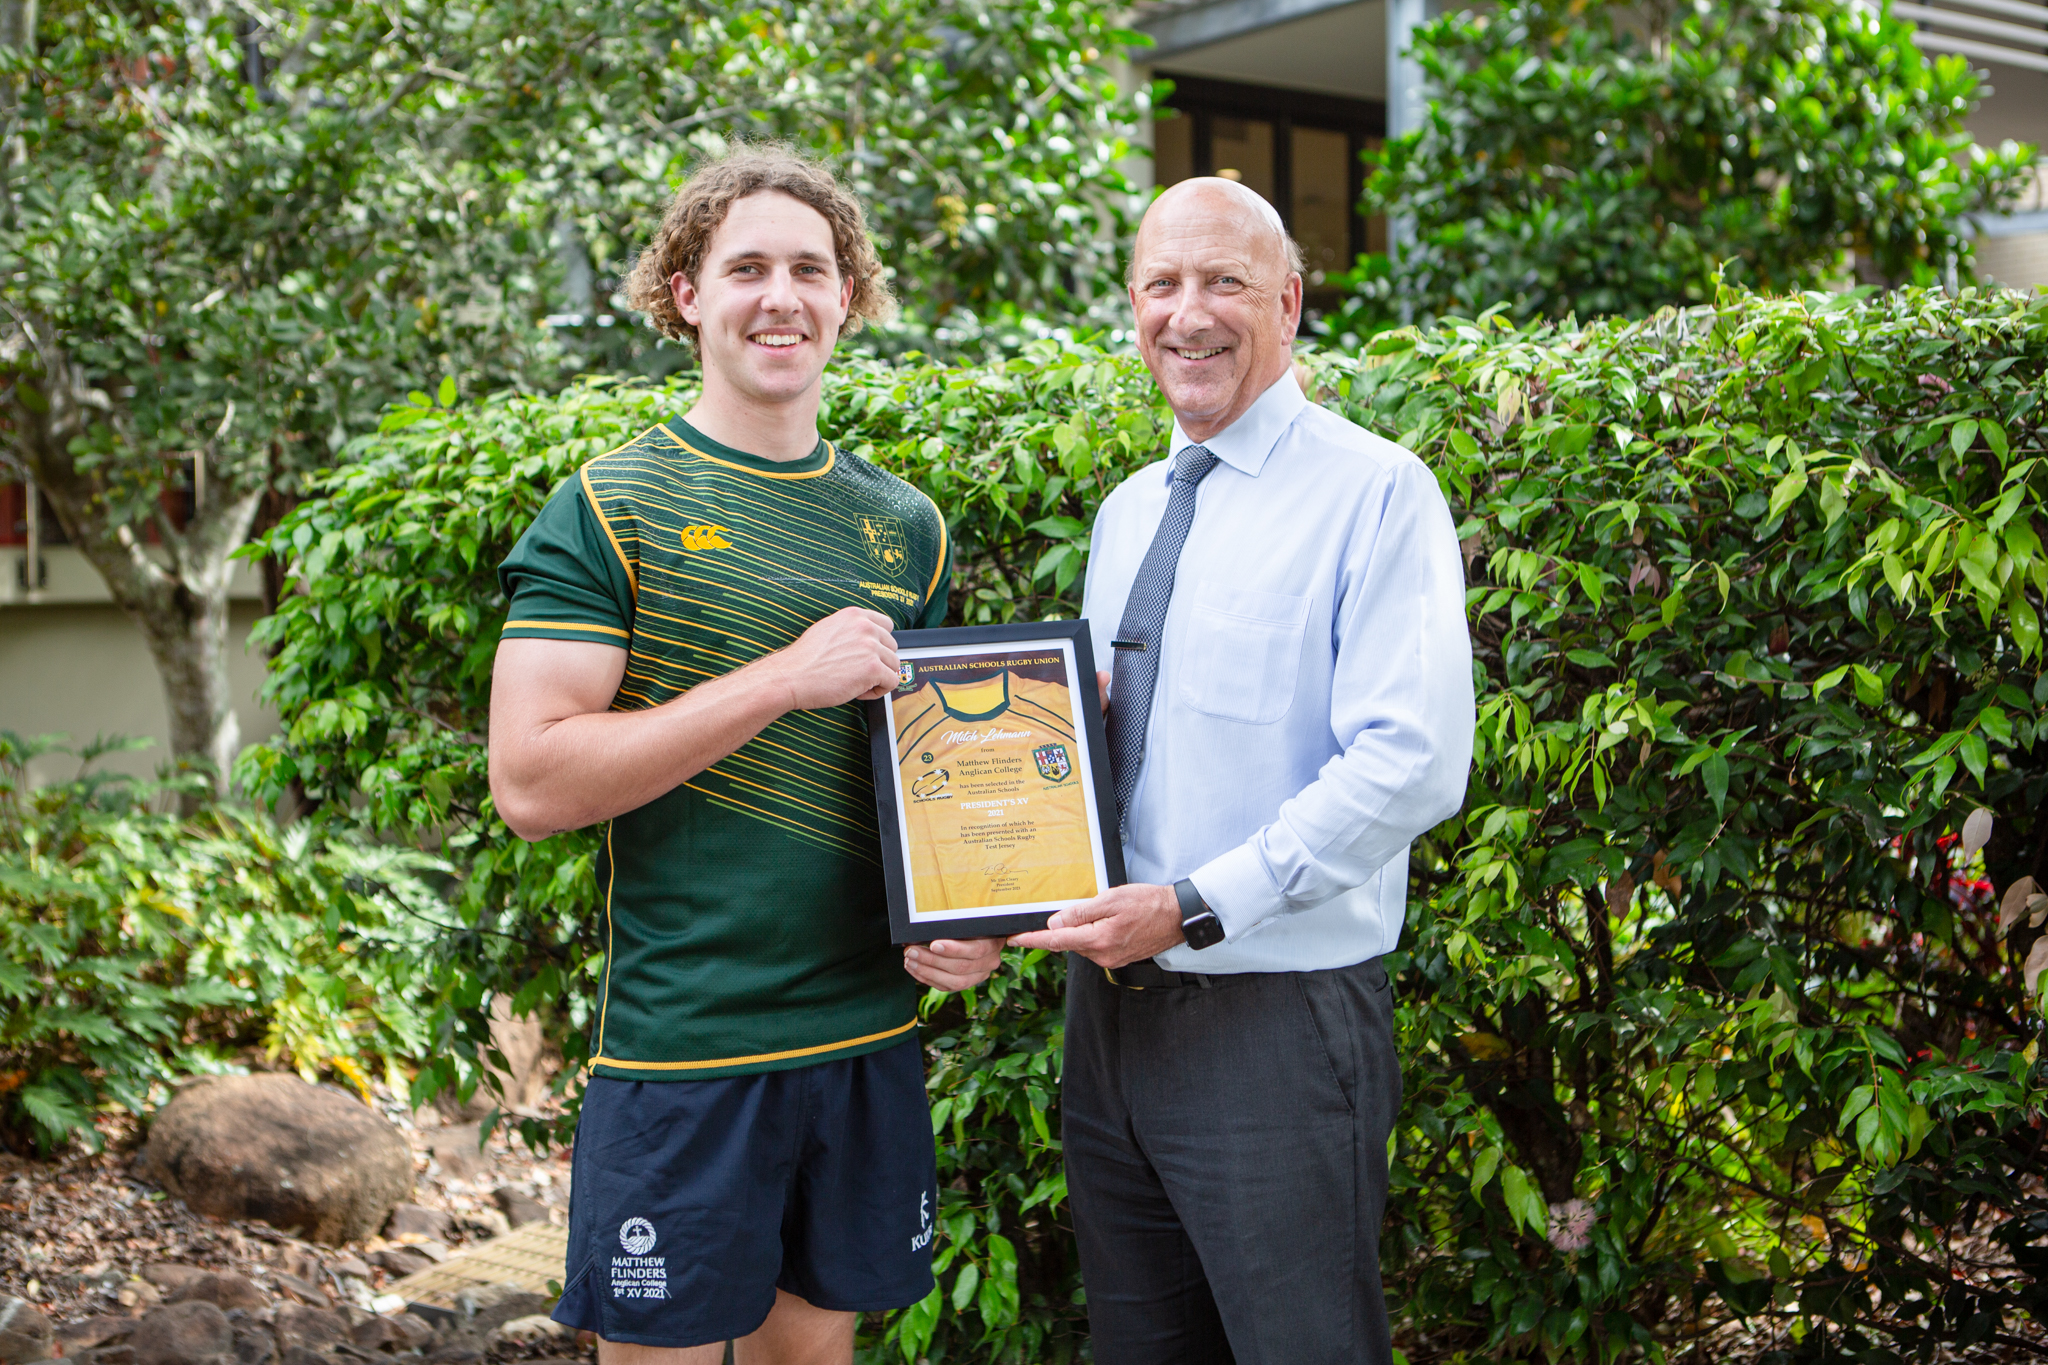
[
  {"x": 1707, "y": 1005},
  {"x": 138, "y": 946}
]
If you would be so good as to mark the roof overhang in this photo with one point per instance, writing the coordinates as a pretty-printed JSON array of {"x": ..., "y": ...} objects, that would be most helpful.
[{"x": 1185, "y": 28}]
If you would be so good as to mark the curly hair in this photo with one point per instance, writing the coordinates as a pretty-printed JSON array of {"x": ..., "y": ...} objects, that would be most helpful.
[{"x": 684, "y": 237}]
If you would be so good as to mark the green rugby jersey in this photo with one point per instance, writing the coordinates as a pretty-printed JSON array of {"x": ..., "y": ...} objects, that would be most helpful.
[{"x": 746, "y": 924}]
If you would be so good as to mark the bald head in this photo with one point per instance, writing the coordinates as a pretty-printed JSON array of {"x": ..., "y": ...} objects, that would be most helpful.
[
  {"x": 1215, "y": 286},
  {"x": 1220, "y": 201}
]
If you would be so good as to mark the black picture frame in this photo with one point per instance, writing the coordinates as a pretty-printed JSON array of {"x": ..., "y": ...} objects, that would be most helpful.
[{"x": 904, "y": 925}]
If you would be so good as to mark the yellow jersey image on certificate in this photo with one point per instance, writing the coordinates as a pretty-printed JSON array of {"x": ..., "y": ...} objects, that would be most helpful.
[{"x": 991, "y": 782}]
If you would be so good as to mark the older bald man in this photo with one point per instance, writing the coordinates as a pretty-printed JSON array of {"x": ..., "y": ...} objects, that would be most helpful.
[{"x": 1291, "y": 705}]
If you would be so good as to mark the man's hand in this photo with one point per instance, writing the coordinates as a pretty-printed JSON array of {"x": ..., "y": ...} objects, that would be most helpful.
[
  {"x": 953, "y": 964},
  {"x": 848, "y": 656},
  {"x": 1123, "y": 925},
  {"x": 1102, "y": 690}
]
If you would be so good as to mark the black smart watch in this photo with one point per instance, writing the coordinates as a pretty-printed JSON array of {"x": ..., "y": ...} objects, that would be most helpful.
[{"x": 1198, "y": 923}]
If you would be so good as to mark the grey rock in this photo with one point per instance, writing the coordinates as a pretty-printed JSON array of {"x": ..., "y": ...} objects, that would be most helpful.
[
  {"x": 303, "y": 1355},
  {"x": 378, "y": 1336},
  {"x": 351, "y": 1265},
  {"x": 526, "y": 1330},
  {"x": 440, "y": 1320},
  {"x": 469, "y": 1302},
  {"x": 92, "y": 1333},
  {"x": 459, "y": 1150},
  {"x": 401, "y": 1260},
  {"x": 485, "y": 1222},
  {"x": 105, "y": 1355},
  {"x": 316, "y": 1329},
  {"x": 462, "y": 1350},
  {"x": 224, "y": 1288},
  {"x": 487, "y": 1316},
  {"x": 255, "y": 1344},
  {"x": 519, "y": 1207},
  {"x": 302, "y": 1262},
  {"x": 191, "y": 1333},
  {"x": 411, "y": 1220},
  {"x": 170, "y": 1277},
  {"x": 305, "y": 1158},
  {"x": 394, "y": 1335},
  {"x": 25, "y": 1333},
  {"x": 305, "y": 1291},
  {"x": 138, "y": 1296},
  {"x": 530, "y": 1058}
]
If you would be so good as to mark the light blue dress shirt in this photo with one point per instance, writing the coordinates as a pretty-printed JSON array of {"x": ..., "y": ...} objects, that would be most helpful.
[{"x": 1314, "y": 710}]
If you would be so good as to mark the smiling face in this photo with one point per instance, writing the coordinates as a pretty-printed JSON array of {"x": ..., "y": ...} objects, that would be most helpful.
[
  {"x": 768, "y": 301},
  {"x": 1216, "y": 303}
]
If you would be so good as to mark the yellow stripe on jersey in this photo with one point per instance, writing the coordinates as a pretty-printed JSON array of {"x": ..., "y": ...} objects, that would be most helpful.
[
  {"x": 831, "y": 457},
  {"x": 602, "y": 1060},
  {"x": 597, "y": 506},
  {"x": 567, "y": 625},
  {"x": 940, "y": 567}
]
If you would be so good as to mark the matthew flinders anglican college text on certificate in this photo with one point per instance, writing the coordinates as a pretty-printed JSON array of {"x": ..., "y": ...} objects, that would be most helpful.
[{"x": 994, "y": 752}]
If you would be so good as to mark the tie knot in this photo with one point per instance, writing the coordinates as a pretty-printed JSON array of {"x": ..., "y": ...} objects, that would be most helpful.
[{"x": 1192, "y": 464}]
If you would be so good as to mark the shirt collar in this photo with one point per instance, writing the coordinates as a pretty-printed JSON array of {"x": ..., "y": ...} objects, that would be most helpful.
[{"x": 1245, "y": 443}]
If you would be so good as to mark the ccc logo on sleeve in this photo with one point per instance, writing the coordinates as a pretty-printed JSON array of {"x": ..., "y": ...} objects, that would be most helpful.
[{"x": 705, "y": 538}]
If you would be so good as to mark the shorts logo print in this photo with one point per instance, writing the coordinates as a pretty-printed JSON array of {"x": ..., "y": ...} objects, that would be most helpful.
[
  {"x": 636, "y": 1275},
  {"x": 924, "y": 1219}
]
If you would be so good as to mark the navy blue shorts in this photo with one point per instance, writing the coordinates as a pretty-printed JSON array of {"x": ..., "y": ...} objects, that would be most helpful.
[{"x": 692, "y": 1202}]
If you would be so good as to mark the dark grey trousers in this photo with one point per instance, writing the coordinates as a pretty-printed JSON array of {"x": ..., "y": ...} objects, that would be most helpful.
[{"x": 1226, "y": 1152}]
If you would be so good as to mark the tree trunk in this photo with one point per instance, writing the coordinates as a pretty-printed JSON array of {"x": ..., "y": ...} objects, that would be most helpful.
[
  {"x": 17, "y": 30},
  {"x": 181, "y": 605}
]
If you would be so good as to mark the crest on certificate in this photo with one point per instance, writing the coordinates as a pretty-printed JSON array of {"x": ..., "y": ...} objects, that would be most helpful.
[
  {"x": 907, "y": 672},
  {"x": 1053, "y": 762},
  {"x": 883, "y": 537}
]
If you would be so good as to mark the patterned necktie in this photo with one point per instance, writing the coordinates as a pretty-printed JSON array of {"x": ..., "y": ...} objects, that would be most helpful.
[{"x": 1136, "y": 670}]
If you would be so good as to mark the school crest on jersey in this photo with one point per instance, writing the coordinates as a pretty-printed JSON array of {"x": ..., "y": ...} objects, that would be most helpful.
[
  {"x": 1053, "y": 763},
  {"x": 883, "y": 537}
]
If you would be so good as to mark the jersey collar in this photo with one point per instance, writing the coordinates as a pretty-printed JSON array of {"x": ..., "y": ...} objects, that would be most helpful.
[
  {"x": 817, "y": 462},
  {"x": 981, "y": 700}
]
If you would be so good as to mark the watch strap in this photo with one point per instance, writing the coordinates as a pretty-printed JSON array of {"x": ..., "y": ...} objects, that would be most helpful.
[{"x": 1198, "y": 923}]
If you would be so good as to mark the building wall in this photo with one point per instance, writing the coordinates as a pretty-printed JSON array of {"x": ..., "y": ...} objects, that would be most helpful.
[
  {"x": 1339, "y": 49},
  {"x": 2017, "y": 262},
  {"x": 2013, "y": 252},
  {"x": 75, "y": 664}
]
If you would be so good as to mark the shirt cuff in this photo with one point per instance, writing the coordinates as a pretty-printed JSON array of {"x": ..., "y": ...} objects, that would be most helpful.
[{"x": 1237, "y": 888}]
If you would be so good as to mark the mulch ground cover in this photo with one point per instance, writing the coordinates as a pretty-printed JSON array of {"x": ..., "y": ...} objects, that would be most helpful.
[{"x": 77, "y": 1233}]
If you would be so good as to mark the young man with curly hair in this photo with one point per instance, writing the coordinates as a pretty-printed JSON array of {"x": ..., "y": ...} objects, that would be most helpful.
[{"x": 692, "y": 618}]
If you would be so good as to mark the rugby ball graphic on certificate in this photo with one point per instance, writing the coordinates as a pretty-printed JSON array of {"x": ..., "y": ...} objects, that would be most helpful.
[{"x": 992, "y": 780}]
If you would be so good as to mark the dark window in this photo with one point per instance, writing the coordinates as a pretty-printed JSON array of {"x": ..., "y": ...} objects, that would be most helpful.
[
  {"x": 1296, "y": 148},
  {"x": 14, "y": 518}
]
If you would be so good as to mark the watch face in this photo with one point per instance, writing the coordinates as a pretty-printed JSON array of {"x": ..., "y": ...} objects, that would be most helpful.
[{"x": 1202, "y": 931}]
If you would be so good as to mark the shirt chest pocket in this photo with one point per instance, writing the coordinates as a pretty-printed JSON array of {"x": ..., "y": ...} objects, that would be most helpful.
[{"x": 1241, "y": 654}]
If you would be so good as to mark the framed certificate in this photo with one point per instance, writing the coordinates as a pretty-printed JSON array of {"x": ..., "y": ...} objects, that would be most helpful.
[{"x": 992, "y": 781}]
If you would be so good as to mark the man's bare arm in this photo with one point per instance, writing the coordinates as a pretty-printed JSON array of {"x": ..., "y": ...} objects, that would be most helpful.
[{"x": 561, "y": 760}]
